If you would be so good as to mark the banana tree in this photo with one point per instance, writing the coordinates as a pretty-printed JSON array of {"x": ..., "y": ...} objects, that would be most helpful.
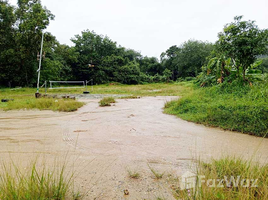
[{"x": 217, "y": 69}]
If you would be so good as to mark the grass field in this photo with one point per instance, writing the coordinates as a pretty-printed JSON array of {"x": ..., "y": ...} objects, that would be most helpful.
[{"x": 24, "y": 97}]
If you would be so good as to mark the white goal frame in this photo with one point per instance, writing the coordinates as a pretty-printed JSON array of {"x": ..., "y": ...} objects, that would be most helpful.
[{"x": 51, "y": 82}]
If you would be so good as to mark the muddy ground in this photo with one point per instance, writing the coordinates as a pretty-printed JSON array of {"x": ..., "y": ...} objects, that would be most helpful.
[{"x": 102, "y": 144}]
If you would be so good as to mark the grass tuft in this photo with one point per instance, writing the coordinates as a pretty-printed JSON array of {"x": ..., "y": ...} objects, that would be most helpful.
[
  {"x": 35, "y": 183},
  {"x": 156, "y": 173},
  {"x": 106, "y": 101},
  {"x": 133, "y": 174}
]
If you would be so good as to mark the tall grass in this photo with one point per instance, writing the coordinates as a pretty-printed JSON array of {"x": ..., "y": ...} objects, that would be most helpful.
[
  {"x": 214, "y": 181},
  {"x": 36, "y": 183},
  {"x": 229, "y": 106}
]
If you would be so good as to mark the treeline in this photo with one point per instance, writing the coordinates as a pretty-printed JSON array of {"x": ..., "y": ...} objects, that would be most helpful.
[{"x": 21, "y": 30}]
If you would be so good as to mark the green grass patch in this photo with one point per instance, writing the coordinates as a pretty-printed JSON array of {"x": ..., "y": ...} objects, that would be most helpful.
[
  {"x": 231, "y": 107},
  {"x": 228, "y": 178},
  {"x": 106, "y": 101},
  {"x": 64, "y": 105}
]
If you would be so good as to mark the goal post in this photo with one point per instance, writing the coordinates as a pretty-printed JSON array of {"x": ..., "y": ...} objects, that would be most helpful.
[{"x": 66, "y": 84}]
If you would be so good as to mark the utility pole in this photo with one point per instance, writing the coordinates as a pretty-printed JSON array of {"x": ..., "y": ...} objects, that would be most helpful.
[{"x": 39, "y": 69}]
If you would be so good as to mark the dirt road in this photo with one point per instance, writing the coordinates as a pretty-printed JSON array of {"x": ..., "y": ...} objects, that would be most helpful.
[{"x": 104, "y": 143}]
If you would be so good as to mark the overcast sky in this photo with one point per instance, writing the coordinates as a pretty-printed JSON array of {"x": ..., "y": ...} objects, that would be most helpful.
[{"x": 150, "y": 26}]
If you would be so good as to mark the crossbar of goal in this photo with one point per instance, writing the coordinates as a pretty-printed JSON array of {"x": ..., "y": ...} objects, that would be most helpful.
[{"x": 51, "y": 82}]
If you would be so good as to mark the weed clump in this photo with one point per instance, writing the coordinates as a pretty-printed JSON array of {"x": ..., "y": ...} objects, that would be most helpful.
[
  {"x": 156, "y": 174},
  {"x": 134, "y": 175}
]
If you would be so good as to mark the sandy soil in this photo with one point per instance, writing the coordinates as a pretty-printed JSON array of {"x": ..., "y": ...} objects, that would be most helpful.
[{"x": 103, "y": 143}]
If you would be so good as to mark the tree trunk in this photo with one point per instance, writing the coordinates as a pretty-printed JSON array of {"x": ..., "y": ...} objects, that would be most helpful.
[
  {"x": 244, "y": 74},
  {"x": 222, "y": 71}
]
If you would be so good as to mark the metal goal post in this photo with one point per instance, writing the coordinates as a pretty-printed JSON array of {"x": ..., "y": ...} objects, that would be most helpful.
[{"x": 75, "y": 83}]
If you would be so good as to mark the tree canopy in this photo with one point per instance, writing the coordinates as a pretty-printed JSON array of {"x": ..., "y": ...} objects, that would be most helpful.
[
  {"x": 242, "y": 41},
  {"x": 237, "y": 56}
]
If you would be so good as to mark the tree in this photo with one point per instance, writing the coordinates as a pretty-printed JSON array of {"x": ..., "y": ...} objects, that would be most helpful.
[
  {"x": 217, "y": 70},
  {"x": 167, "y": 74},
  {"x": 7, "y": 43},
  {"x": 92, "y": 49},
  {"x": 128, "y": 74},
  {"x": 187, "y": 59},
  {"x": 192, "y": 57},
  {"x": 21, "y": 28},
  {"x": 242, "y": 41},
  {"x": 58, "y": 62},
  {"x": 168, "y": 60},
  {"x": 151, "y": 66}
]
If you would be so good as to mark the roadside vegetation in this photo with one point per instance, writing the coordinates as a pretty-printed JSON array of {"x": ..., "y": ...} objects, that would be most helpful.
[{"x": 228, "y": 178}]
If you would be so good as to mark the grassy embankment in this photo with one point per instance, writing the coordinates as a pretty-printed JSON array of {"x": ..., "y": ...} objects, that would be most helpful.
[
  {"x": 230, "y": 107},
  {"x": 24, "y": 97}
]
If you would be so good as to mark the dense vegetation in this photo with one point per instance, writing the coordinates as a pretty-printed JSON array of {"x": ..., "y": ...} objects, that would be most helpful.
[{"x": 238, "y": 92}]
